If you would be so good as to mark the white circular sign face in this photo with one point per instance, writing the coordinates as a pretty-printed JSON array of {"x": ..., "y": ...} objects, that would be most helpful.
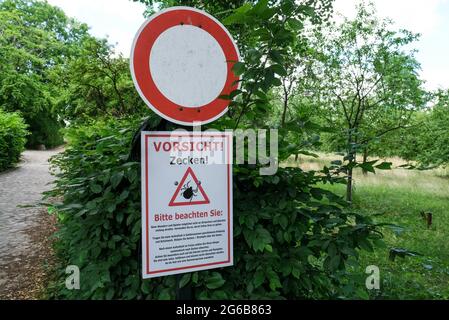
[{"x": 188, "y": 66}]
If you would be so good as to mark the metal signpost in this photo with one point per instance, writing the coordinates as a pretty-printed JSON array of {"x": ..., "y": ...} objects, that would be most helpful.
[{"x": 181, "y": 63}]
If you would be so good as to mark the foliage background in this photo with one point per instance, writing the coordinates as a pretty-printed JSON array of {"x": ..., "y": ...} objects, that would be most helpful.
[
  {"x": 291, "y": 239},
  {"x": 13, "y": 134},
  {"x": 295, "y": 236}
]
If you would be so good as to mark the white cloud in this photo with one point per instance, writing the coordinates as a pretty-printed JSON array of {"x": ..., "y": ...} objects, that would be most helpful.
[{"x": 117, "y": 19}]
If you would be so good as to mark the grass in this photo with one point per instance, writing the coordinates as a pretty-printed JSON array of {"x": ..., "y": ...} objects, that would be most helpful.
[{"x": 398, "y": 196}]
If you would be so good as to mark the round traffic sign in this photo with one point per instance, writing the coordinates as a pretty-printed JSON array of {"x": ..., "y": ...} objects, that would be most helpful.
[{"x": 181, "y": 63}]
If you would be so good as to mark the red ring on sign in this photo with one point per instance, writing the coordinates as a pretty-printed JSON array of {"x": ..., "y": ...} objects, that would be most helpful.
[{"x": 140, "y": 67}]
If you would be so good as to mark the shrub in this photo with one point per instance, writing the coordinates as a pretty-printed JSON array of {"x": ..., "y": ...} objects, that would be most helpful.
[
  {"x": 291, "y": 239},
  {"x": 12, "y": 138}
]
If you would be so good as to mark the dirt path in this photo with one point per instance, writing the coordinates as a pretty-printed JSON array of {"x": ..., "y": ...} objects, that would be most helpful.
[{"x": 24, "y": 226}]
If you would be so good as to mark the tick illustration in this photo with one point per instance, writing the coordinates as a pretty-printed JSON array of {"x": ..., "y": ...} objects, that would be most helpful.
[{"x": 188, "y": 192}]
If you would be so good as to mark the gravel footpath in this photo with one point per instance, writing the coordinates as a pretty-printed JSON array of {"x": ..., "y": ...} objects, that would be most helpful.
[{"x": 25, "y": 227}]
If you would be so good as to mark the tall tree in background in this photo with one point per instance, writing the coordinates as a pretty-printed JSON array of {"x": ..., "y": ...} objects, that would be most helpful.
[
  {"x": 432, "y": 137},
  {"x": 97, "y": 83},
  {"x": 365, "y": 82},
  {"x": 35, "y": 39}
]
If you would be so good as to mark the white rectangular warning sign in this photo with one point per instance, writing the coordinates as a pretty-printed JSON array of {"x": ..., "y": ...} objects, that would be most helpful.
[{"x": 186, "y": 202}]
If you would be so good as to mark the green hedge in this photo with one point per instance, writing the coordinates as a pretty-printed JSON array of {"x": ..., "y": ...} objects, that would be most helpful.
[
  {"x": 12, "y": 138},
  {"x": 291, "y": 239}
]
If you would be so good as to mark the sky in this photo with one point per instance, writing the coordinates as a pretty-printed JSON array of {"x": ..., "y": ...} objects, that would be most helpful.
[
  {"x": 430, "y": 18},
  {"x": 119, "y": 20}
]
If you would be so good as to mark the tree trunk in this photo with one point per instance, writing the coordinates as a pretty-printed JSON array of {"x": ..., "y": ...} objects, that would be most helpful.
[{"x": 351, "y": 160}]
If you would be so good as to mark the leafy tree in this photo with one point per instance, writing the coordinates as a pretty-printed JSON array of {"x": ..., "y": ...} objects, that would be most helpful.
[
  {"x": 432, "y": 136},
  {"x": 35, "y": 39},
  {"x": 402, "y": 142},
  {"x": 267, "y": 34},
  {"x": 292, "y": 239},
  {"x": 97, "y": 83},
  {"x": 365, "y": 83}
]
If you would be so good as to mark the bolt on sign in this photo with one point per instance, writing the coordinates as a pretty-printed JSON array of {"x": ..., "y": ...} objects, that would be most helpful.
[{"x": 186, "y": 202}]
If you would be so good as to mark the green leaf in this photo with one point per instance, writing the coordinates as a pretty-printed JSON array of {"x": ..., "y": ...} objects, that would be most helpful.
[
  {"x": 195, "y": 277},
  {"x": 124, "y": 195},
  {"x": 274, "y": 280},
  {"x": 219, "y": 295},
  {"x": 316, "y": 193},
  {"x": 384, "y": 166},
  {"x": 260, "y": 238},
  {"x": 283, "y": 221},
  {"x": 238, "y": 16},
  {"x": 164, "y": 295},
  {"x": 258, "y": 278},
  {"x": 296, "y": 273},
  {"x": 145, "y": 287},
  {"x": 119, "y": 216},
  {"x": 184, "y": 280},
  {"x": 116, "y": 179},
  {"x": 286, "y": 269},
  {"x": 332, "y": 249},
  {"x": 111, "y": 207},
  {"x": 276, "y": 56},
  {"x": 260, "y": 7},
  {"x": 126, "y": 252},
  {"x": 238, "y": 68},
  {"x": 362, "y": 294},
  {"x": 295, "y": 24},
  {"x": 214, "y": 281},
  {"x": 276, "y": 82},
  {"x": 261, "y": 95},
  {"x": 335, "y": 261},
  {"x": 224, "y": 97},
  {"x": 95, "y": 188},
  {"x": 367, "y": 167},
  {"x": 278, "y": 69},
  {"x": 366, "y": 245},
  {"x": 110, "y": 294}
]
